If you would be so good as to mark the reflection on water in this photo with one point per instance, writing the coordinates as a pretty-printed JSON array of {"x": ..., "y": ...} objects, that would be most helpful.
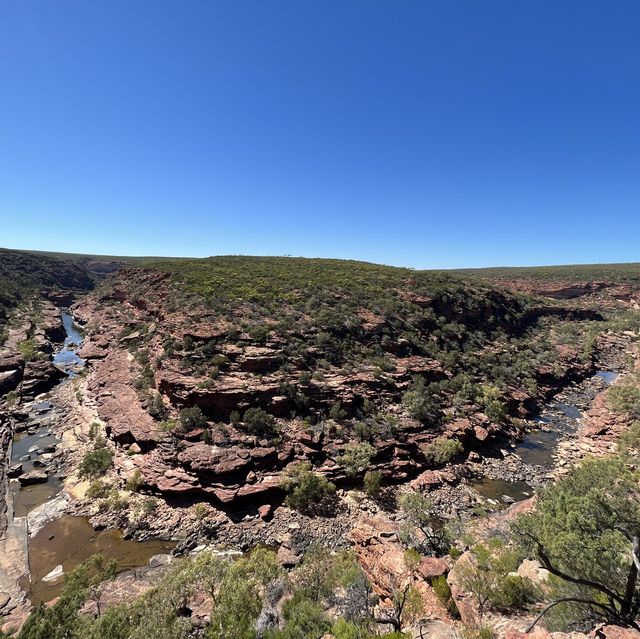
[
  {"x": 607, "y": 376},
  {"x": 568, "y": 410},
  {"x": 496, "y": 489},
  {"x": 68, "y": 541},
  {"x": 537, "y": 447},
  {"x": 28, "y": 497},
  {"x": 23, "y": 443},
  {"x": 39, "y": 445},
  {"x": 67, "y": 358}
]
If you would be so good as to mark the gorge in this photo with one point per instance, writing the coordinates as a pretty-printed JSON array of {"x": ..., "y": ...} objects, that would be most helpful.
[{"x": 202, "y": 384}]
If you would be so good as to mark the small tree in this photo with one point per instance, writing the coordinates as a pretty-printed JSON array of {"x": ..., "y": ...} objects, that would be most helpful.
[
  {"x": 586, "y": 533},
  {"x": 430, "y": 539},
  {"x": 421, "y": 403},
  {"x": 337, "y": 412},
  {"x": 156, "y": 407},
  {"x": 28, "y": 349},
  {"x": 372, "y": 482},
  {"x": 492, "y": 405},
  {"x": 95, "y": 463}
]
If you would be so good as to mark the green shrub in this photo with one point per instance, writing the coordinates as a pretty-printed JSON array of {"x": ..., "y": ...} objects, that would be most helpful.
[
  {"x": 491, "y": 403},
  {"x": 95, "y": 463},
  {"x": 455, "y": 552},
  {"x": 372, "y": 482},
  {"x": 149, "y": 506},
  {"x": 12, "y": 398},
  {"x": 191, "y": 418},
  {"x": 624, "y": 398},
  {"x": 513, "y": 591},
  {"x": 168, "y": 425},
  {"x": 442, "y": 450},
  {"x": 219, "y": 360},
  {"x": 303, "y": 618},
  {"x": 156, "y": 407},
  {"x": 116, "y": 502},
  {"x": 306, "y": 491},
  {"x": 200, "y": 511},
  {"x": 442, "y": 591},
  {"x": 28, "y": 349},
  {"x": 423, "y": 530},
  {"x": 258, "y": 422},
  {"x": 97, "y": 489},
  {"x": 336, "y": 412},
  {"x": 482, "y": 632},
  {"x": 134, "y": 481},
  {"x": 422, "y": 403},
  {"x": 356, "y": 457},
  {"x": 94, "y": 431}
]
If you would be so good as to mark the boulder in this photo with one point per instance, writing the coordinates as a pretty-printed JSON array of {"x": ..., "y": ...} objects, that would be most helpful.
[
  {"x": 55, "y": 574},
  {"x": 33, "y": 477},
  {"x": 288, "y": 557},
  {"x": 265, "y": 511},
  {"x": 14, "y": 471},
  {"x": 615, "y": 632},
  {"x": 431, "y": 567},
  {"x": 531, "y": 569},
  {"x": 467, "y": 606}
]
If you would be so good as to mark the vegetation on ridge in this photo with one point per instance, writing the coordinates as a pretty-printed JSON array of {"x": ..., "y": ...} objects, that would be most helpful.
[{"x": 24, "y": 275}]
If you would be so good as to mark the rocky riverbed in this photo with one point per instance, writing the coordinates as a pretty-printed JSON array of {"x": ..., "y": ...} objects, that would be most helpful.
[{"x": 40, "y": 541}]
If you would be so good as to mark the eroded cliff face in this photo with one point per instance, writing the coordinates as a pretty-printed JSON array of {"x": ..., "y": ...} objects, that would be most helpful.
[
  {"x": 331, "y": 375},
  {"x": 25, "y": 356},
  {"x": 149, "y": 356}
]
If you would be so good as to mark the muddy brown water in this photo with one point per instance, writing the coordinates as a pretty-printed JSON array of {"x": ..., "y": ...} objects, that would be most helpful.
[
  {"x": 498, "y": 489},
  {"x": 68, "y": 541}
]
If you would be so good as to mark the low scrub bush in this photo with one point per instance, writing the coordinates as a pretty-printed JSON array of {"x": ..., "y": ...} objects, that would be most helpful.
[
  {"x": 95, "y": 463},
  {"x": 306, "y": 491},
  {"x": 442, "y": 451},
  {"x": 258, "y": 422}
]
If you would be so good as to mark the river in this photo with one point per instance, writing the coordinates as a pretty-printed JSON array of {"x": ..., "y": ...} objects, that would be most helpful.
[
  {"x": 557, "y": 421},
  {"x": 66, "y": 541}
]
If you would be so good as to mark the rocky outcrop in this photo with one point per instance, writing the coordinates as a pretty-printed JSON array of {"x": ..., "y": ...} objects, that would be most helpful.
[
  {"x": 118, "y": 404},
  {"x": 6, "y": 435},
  {"x": 25, "y": 357},
  {"x": 204, "y": 360}
]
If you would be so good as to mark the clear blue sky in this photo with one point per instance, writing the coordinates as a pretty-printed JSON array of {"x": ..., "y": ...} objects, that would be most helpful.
[{"x": 421, "y": 133}]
